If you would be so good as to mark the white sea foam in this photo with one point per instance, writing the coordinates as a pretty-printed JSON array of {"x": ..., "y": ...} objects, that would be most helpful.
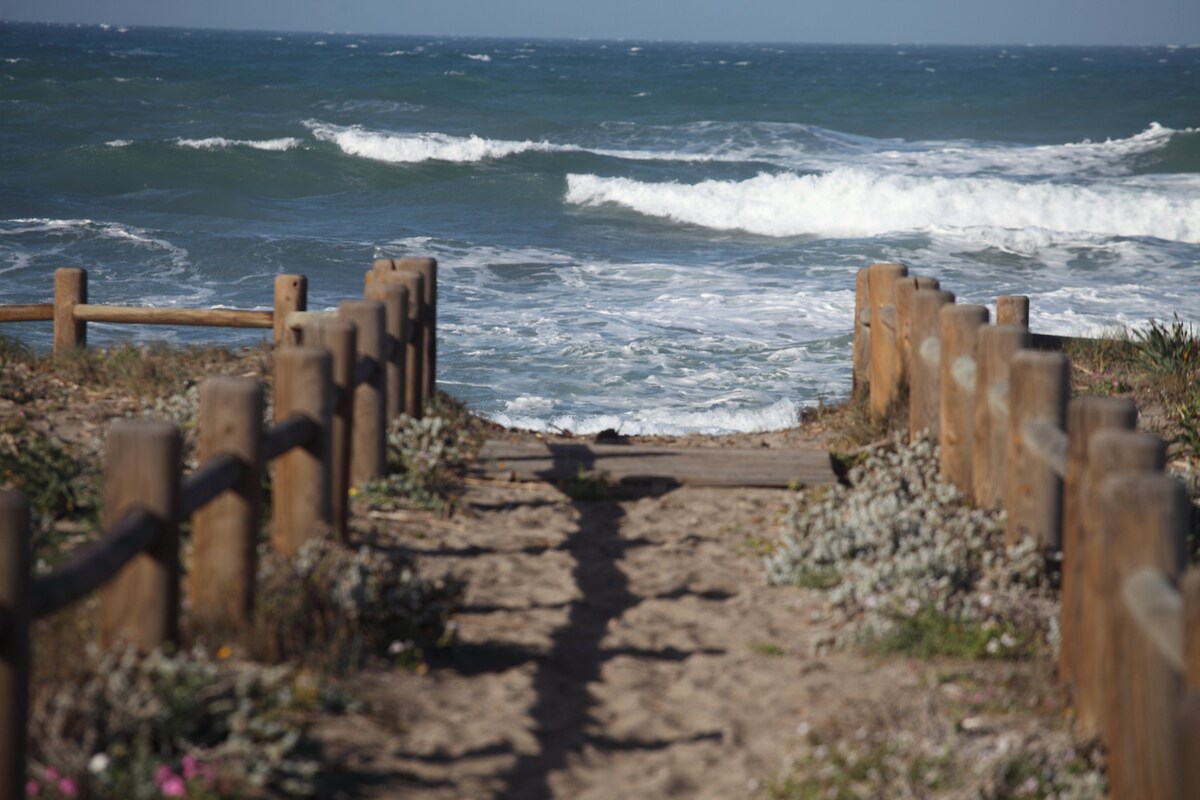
[
  {"x": 119, "y": 143},
  {"x": 665, "y": 421},
  {"x": 411, "y": 148},
  {"x": 851, "y": 203},
  {"x": 479, "y": 57},
  {"x": 220, "y": 143}
]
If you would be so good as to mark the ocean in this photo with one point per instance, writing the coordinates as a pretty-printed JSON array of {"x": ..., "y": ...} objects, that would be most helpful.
[{"x": 648, "y": 236}]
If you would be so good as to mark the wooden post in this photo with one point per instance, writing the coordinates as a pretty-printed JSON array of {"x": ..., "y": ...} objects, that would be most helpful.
[
  {"x": 885, "y": 367},
  {"x": 368, "y": 453},
  {"x": 427, "y": 269},
  {"x": 291, "y": 294},
  {"x": 15, "y": 604},
  {"x": 141, "y": 472},
  {"x": 959, "y": 332},
  {"x": 1037, "y": 387},
  {"x": 70, "y": 290},
  {"x": 301, "y": 506},
  {"x": 340, "y": 338},
  {"x": 414, "y": 354},
  {"x": 1146, "y": 520},
  {"x": 862, "y": 333},
  {"x": 395, "y": 320},
  {"x": 1187, "y": 720},
  {"x": 1189, "y": 589},
  {"x": 1085, "y": 417},
  {"x": 924, "y": 384},
  {"x": 1012, "y": 309},
  {"x": 997, "y": 345},
  {"x": 905, "y": 288},
  {"x": 1110, "y": 451},
  {"x": 225, "y": 531}
]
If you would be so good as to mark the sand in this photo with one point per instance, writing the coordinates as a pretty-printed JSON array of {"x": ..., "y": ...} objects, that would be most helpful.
[{"x": 623, "y": 648}]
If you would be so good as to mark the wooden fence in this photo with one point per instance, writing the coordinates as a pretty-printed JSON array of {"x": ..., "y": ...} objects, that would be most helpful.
[
  {"x": 1073, "y": 474},
  {"x": 339, "y": 376}
]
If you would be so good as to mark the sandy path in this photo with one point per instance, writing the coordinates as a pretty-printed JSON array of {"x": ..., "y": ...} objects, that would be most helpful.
[{"x": 619, "y": 648}]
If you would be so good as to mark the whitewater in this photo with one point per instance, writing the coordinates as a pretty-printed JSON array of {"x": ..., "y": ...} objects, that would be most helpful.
[{"x": 651, "y": 237}]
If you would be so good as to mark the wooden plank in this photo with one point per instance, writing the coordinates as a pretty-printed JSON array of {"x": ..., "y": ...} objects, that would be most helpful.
[{"x": 540, "y": 461}]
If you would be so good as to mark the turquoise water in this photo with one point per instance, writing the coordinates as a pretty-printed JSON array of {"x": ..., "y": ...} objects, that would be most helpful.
[{"x": 638, "y": 235}]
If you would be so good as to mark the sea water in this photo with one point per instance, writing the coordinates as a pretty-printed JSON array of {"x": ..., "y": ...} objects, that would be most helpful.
[{"x": 649, "y": 236}]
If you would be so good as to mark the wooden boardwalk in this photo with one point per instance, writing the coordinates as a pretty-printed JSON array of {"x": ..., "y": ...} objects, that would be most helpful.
[{"x": 634, "y": 464}]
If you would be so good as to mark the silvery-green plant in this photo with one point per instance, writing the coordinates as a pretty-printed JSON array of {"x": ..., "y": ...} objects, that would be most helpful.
[{"x": 900, "y": 543}]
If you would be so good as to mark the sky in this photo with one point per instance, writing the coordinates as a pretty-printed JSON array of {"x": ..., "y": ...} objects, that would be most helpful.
[{"x": 818, "y": 21}]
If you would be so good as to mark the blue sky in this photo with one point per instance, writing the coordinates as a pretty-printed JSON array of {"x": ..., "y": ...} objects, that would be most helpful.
[{"x": 847, "y": 21}]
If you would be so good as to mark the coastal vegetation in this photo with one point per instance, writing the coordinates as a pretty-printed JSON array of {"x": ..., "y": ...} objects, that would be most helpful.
[{"x": 227, "y": 717}]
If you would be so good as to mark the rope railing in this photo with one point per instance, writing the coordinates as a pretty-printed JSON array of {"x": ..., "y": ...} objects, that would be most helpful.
[{"x": 329, "y": 429}]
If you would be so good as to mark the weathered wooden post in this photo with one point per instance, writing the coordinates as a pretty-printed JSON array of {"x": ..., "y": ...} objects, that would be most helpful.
[
  {"x": 340, "y": 338},
  {"x": 997, "y": 345},
  {"x": 369, "y": 449},
  {"x": 1037, "y": 389},
  {"x": 141, "y": 472},
  {"x": 959, "y": 333},
  {"x": 924, "y": 383},
  {"x": 1187, "y": 720},
  {"x": 885, "y": 363},
  {"x": 414, "y": 353},
  {"x": 905, "y": 288},
  {"x": 302, "y": 505},
  {"x": 1012, "y": 309},
  {"x": 395, "y": 319},
  {"x": 862, "y": 333},
  {"x": 225, "y": 531},
  {"x": 15, "y": 609},
  {"x": 427, "y": 268},
  {"x": 1086, "y": 416},
  {"x": 1111, "y": 451},
  {"x": 70, "y": 290},
  {"x": 291, "y": 294},
  {"x": 1146, "y": 516}
]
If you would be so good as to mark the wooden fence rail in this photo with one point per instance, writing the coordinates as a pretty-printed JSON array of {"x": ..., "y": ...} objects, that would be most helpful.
[
  {"x": 330, "y": 429},
  {"x": 1073, "y": 475}
]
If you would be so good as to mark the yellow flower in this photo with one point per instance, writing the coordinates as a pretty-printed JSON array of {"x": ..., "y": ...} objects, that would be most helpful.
[
  {"x": 354, "y": 491},
  {"x": 224, "y": 651}
]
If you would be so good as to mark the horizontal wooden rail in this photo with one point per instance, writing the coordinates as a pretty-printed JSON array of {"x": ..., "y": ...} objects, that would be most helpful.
[
  {"x": 1048, "y": 442},
  {"x": 1157, "y": 609},
  {"x": 94, "y": 565},
  {"x": 41, "y": 312},
  {"x": 295, "y": 431},
  {"x": 221, "y": 473},
  {"x": 205, "y": 317}
]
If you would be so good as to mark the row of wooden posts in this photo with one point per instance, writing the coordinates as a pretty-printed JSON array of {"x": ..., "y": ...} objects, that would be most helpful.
[
  {"x": 339, "y": 377},
  {"x": 1076, "y": 476}
]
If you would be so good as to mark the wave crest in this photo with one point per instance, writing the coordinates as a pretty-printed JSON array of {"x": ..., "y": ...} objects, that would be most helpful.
[
  {"x": 850, "y": 203},
  {"x": 221, "y": 143}
]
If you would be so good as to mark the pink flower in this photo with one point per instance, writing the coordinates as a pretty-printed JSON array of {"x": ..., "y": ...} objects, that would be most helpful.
[
  {"x": 191, "y": 767},
  {"x": 51, "y": 774},
  {"x": 32, "y": 788},
  {"x": 68, "y": 787},
  {"x": 161, "y": 774},
  {"x": 173, "y": 786}
]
